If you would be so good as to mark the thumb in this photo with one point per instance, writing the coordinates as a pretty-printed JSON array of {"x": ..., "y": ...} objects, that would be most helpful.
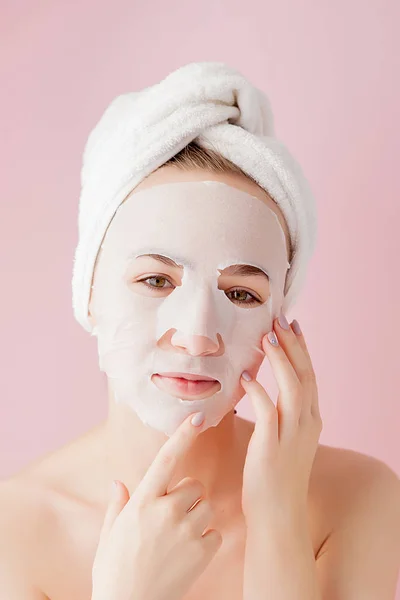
[{"x": 119, "y": 497}]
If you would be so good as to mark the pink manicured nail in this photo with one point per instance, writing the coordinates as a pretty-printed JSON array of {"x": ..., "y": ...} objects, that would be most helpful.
[
  {"x": 246, "y": 375},
  {"x": 197, "y": 419},
  {"x": 272, "y": 338},
  {"x": 296, "y": 327},
  {"x": 283, "y": 322}
]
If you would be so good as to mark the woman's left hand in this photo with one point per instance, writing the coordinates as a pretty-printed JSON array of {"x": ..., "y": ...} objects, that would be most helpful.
[{"x": 282, "y": 447}]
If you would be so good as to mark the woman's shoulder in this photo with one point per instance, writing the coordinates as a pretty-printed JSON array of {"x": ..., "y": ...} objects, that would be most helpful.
[
  {"x": 41, "y": 507},
  {"x": 345, "y": 466},
  {"x": 60, "y": 472},
  {"x": 31, "y": 497},
  {"x": 340, "y": 476},
  {"x": 348, "y": 488},
  {"x": 24, "y": 519}
]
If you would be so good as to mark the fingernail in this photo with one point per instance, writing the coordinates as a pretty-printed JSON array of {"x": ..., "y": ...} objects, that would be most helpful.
[
  {"x": 198, "y": 418},
  {"x": 272, "y": 338},
  {"x": 114, "y": 487},
  {"x": 283, "y": 322},
  {"x": 296, "y": 327},
  {"x": 246, "y": 375}
]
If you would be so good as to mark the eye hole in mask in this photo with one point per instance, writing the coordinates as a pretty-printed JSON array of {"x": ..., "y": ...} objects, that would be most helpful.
[{"x": 250, "y": 301}]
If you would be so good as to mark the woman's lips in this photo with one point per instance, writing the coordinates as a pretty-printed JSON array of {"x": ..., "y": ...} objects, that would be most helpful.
[{"x": 180, "y": 387}]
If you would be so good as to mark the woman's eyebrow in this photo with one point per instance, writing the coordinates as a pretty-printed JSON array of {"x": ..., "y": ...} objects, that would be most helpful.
[
  {"x": 167, "y": 261},
  {"x": 244, "y": 271},
  {"x": 241, "y": 270}
]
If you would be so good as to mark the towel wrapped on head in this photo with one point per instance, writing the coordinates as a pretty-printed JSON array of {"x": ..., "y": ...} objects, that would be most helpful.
[{"x": 207, "y": 102}]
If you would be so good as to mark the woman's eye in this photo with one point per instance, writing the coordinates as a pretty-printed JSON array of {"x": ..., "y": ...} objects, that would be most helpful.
[
  {"x": 156, "y": 278},
  {"x": 250, "y": 301}
]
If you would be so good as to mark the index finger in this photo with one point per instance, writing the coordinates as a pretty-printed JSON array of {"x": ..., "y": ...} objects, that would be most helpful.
[{"x": 159, "y": 474}]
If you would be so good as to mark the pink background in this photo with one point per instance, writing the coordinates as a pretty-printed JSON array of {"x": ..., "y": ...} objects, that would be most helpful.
[{"x": 331, "y": 72}]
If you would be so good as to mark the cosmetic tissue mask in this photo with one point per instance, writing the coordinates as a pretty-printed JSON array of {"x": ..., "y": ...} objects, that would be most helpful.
[{"x": 191, "y": 326}]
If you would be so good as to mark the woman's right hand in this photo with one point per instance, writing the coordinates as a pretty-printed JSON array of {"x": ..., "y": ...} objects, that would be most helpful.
[{"x": 151, "y": 546}]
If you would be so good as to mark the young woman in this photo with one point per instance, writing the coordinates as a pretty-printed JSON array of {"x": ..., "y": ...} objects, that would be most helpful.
[{"x": 231, "y": 510}]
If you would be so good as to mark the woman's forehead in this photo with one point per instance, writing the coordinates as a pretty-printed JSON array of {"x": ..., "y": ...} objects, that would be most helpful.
[
  {"x": 209, "y": 223},
  {"x": 171, "y": 174}
]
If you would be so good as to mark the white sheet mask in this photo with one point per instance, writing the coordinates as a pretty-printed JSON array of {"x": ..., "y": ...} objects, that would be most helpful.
[{"x": 204, "y": 226}]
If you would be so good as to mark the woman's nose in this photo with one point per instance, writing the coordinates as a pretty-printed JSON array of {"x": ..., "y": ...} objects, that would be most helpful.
[{"x": 196, "y": 345}]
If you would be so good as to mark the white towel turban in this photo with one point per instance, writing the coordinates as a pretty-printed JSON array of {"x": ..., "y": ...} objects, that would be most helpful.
[{"x": 216, "y": 106}]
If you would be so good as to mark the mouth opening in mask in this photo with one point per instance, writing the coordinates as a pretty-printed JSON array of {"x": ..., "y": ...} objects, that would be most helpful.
[{"x": 186, "y": 387}]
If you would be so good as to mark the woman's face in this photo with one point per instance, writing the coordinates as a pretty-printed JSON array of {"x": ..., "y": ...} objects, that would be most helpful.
[{"x": 189, "y": 278}]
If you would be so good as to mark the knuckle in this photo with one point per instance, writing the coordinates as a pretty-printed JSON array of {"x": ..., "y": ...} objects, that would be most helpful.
[
  {"x": 167, "y": 460},
  {"x": 297, "y": 393},
  {"x": 198, "y": 549},
  {"x": 194, "y": 485},
  {"x": 214, "y": 541},
  {"x": 217, "y": 537},
  {"x": 204, "y": 509},
  {"x": 138, "y": 503},
  {"x": 318, "y": 423},
  {"x": 171, "y": 512},
  {"x": 197, "y": 486},
  {"x": 270, "y": 416},
  {"x": 184, "y": 436},
  {"x": 188, "y": 529},
  {"x": 309, "y": 376},
  {"x": 187, "y": 480}
]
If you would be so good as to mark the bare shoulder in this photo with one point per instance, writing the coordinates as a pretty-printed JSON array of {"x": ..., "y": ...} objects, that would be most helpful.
[
  {"x": 344, "y": 473},
  {"x": 39, "y": 506},
  {"x": 22, "y": 504},
  {"x": 23, "y": 520},
  {"x": 29, "y": 511},
  {"x": 358, "y": 495}
]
